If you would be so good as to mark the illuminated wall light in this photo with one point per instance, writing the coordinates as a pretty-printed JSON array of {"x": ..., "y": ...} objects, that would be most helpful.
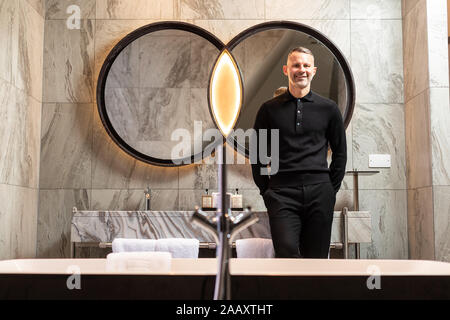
[{"x": 225, "y": 92}]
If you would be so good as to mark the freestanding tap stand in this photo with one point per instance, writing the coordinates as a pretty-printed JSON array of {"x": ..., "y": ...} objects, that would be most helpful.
[
  {"x": 222, "y": 286},
  {"x": 224, "y": 227}
]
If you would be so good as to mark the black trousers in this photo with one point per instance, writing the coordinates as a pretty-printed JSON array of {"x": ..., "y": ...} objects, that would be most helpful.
[{"x": 300, "y": 219}]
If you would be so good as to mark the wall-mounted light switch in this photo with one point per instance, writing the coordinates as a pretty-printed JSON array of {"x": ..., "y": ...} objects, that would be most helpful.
[{"x": 379, "y": 160}]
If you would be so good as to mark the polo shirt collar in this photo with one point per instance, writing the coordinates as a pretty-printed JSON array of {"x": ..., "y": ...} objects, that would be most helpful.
[{"x": 308, "y": 97}]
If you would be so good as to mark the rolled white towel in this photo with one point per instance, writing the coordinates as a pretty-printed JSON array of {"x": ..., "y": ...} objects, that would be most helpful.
[
  {"x": 133, "y": 245},
  {"x": 255, "y": 248},
  {"x": 139, "y": 261},
  {"x": 179, "y": 247}
]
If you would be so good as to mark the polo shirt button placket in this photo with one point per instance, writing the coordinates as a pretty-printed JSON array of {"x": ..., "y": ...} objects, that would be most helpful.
[{"x": 299, "y": 116}]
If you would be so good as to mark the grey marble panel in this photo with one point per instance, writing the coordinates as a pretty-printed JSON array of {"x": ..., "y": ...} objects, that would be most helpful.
[
  {"x": 220, "y": 9},
  {"x": 163, "y": 61},
  {"x": 161, "y": 111},
  {"x": 109, "y": 199},
  {"x": 19, "y": 137},
  {"x": 257, "y": 49},
  {"x": 122, "y": 107},
  {"x": 57, "y": 9},
  {"x": 133, "y": 200},
  {"x": 415, "y": 53},
  {"x": 441, "y": 202},
  {"x": 417, "y": 135},
  {"x": 198, "y": 177},
  {"x": 54, "y": 220},
  {"x": 188, "y": 199},
  {"x": 68, "y": 62},
  {"x": 27, "y": 72},
  {"x": 440, "y": 135},
  {"x": 376, "y": 9},
  {"x": 199, "y": 109},
  {"x": 379, "y": 129},
  {"x": 421, "y": 231},
  {"x": 344, "y": 198},
  {"x": 252, "y": 198},
  {"x": 108, "y": 33},
  {"x": 18, "y": 218},
  {"x": 124, "y": 72},
  {"x": 9, "y": 24},
  {"x": 5, "y": 222},
  {"x": 388, "y": 209},
  {"x": 114, "y": 169},
  {"x": 437, "y": 35},
  {"x": 227, "y": 29},
  {"x": 240, "y": 176},
  {"x": 377, "y": 63},
  {"x": 320, "y": 9},
  {"x": 337, "y": 31},
  {"x": 202, "y": 57},
  {"x": 66, "y": 146},
  {"x": 136, "y": 9},
  {"x": 23, "y": 221}
]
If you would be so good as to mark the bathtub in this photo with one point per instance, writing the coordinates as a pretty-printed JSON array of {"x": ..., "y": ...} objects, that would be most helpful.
[{"x": 250, "y": 279}]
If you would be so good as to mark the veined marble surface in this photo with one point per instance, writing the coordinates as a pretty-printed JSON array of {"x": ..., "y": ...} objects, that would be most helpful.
[{"x": 104, "y": 226}]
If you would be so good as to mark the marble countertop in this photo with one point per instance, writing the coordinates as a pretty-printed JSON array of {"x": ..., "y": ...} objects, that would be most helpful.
[{"x": 104, "y": 226}]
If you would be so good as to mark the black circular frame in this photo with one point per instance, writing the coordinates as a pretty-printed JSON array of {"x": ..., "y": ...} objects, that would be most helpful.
[{"x": 124, "y": 42}]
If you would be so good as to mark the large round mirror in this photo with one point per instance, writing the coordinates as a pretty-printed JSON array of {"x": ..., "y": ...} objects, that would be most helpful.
[
  {"x": 154, "y": 83},
  {"x": 155, "y": 90},
  {"x": 261, "y": 52}
]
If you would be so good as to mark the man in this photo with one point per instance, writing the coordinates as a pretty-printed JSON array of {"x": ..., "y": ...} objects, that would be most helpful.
[{"x": 300, "y": 197}]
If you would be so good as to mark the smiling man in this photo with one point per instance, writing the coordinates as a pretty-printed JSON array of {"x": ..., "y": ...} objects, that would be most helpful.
[{"x": 300, "y": 197}]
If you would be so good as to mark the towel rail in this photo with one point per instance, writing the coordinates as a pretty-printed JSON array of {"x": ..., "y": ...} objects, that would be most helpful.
[{"x": 202, "y": 245}]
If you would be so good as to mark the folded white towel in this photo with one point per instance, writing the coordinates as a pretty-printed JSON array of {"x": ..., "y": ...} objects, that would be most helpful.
[
  {"x": 178, "y": 247},
  {"x": 128, "y": 245},
  {"x": 139, "y": 261},
  {"x": 255, "y": 248}
]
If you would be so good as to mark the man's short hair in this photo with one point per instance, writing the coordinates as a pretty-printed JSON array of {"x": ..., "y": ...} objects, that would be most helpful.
[{"x": 301, "y": 50}]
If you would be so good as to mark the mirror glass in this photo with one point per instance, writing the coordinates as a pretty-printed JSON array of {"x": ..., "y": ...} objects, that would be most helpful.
[
  {"x": 158, "y": 83},
  {"x": 261, "y": 57}
]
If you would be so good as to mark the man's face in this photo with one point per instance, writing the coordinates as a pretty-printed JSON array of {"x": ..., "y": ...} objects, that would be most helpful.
[{"x": 300, "y": 69}]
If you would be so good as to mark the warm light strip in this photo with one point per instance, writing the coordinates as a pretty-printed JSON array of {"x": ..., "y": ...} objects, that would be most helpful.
[{"x": 225, "y": 92}]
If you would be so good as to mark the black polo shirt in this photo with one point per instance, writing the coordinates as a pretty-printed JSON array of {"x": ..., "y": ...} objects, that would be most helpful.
[{"x": 306, "y": 127}]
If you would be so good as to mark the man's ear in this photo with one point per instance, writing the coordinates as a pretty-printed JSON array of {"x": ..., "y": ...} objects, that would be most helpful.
[
  {"x": 315, "y": 70},
  {"x": 285, "y": 70}
]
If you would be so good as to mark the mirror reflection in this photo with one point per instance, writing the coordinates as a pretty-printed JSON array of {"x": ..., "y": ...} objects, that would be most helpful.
[
  {"x": 158, "y": 84},
  {"x": 261, "y": 57}
]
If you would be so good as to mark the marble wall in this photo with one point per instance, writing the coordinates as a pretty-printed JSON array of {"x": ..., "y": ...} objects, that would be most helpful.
[
  {"x": 427, "y": 114},
  {"x": 82, "y": 167},
  {"x": 21, "y": 56}
]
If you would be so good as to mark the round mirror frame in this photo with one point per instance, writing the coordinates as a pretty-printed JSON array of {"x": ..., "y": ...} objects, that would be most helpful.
[{"x": 165, "y": 25}]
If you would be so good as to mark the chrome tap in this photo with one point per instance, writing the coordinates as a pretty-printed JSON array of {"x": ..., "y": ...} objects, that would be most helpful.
[{"x": 147, "y": 199}]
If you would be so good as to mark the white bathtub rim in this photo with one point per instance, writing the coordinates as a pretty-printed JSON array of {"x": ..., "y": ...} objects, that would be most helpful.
[{"x": 249, "y": 267}]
